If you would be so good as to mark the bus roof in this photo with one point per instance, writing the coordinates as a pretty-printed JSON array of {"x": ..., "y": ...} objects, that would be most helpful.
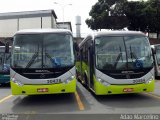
[
  {"x": 118, "y": 33},
  {"x": 112, "y": 33},
  {"x": 37, "y": 31}
]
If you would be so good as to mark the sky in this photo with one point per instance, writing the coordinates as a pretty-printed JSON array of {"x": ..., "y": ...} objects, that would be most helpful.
[{"x": 78, "y": 7}]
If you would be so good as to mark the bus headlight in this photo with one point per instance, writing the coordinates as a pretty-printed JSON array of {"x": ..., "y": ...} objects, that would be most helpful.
[
  {"x": 66, "y": 81},
  {"x": 103, "y": 82},
  {"x": 17, "y": 82},
  {"x": 149, "y": 80}
]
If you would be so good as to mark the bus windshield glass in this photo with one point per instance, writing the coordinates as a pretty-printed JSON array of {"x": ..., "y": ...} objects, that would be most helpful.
[
  {"x": 46, "y": 50},
  {"x": 123, "y": 53},
  {"x": 5, "y": 59}
]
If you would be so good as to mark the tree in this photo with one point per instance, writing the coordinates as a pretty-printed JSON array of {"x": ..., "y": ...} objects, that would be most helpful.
[
  {"x": 101, "y": 18},
  {"x": 144, "y": 16},
  {"x": 135, "y": 15}
]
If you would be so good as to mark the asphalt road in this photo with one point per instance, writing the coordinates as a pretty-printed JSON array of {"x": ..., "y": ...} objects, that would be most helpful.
[{"x": 80, "y": 105}]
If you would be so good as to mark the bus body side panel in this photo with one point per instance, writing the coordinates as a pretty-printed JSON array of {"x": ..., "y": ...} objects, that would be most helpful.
[
  {"x": 52, "y": 88},
  {"x": 82, "y": 69},
  {"x": 78, "y": 70},
  {"x": 81, "y": 73},
  {"x": 101, "y": 89}
]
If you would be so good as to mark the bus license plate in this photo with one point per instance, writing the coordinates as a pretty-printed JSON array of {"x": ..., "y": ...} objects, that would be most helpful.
[
  {"x": 128, "y": 90},
  {"x": 42, "y": 90},
  {"x": 139, "y": 81},
  {"x": 55, "y": 81}
]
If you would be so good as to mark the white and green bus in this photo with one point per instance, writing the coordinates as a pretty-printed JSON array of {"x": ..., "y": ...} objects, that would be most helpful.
[
  {"x": 43, "y": 62},
  {"x": 156, "y": 57},
  {"x": 116, "y": 62}
]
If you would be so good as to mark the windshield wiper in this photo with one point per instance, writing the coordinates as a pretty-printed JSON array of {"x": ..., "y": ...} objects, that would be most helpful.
[
  {"x": 137, "y": 63},
  {"x": 133, "y": 55},
  {"x": 48, "y": 56},
  {"x": 118, "y": 57},
  {"x": 54, "y": 61},
  {"x": 32, "y": 60}
]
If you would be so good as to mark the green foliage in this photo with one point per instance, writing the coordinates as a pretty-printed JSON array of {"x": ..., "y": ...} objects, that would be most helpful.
[
  {"x": 100, "y": 18},
  {"x": 135, "y": 15}
]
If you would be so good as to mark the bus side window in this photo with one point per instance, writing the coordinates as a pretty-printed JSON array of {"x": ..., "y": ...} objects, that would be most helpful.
[{"x": 86, "y": 53}]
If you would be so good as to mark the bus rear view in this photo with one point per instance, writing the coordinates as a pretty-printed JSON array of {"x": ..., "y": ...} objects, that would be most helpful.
[{"x": 43, "y": 62}]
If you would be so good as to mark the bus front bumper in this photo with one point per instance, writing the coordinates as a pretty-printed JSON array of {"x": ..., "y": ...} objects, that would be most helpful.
[
  {"x": 101, "y": 89},
  {"x": 43, "y": 89}
]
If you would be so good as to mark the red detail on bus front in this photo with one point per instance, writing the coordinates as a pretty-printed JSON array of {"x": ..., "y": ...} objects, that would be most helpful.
[
  {"x": 128, "y": 90},
  {"x": 42, "y": 90}
]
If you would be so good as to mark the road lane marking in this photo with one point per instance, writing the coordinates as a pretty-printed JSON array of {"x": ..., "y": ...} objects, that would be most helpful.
[
  {"x": 153, "y": 95},
  {"x": 2, "y": 100},
  {"x": 80, "y": 104}
]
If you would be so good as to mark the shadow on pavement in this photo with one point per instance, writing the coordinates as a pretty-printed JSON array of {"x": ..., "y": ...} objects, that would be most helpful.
[
  {"x": 55, "y": 103},
  {"x": 128, "y": 101},
  {"x": 4, "y": 85}
]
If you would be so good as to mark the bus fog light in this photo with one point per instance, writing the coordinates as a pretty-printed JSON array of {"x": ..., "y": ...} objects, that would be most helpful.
[
  {"x": 66, "y": 81},
  {"x": 103, "y": 82},
  {"x": 72, "y": 77},
  {"x": 149, "y": 80},
  {"x": 13, "y": 79},
  {"x": 17, "y": 82}
]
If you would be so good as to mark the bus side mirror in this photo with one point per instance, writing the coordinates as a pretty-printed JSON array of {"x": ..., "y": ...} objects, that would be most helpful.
[
  {"x": 7, "y": 47},
  {"x": 153, "y": 50}
]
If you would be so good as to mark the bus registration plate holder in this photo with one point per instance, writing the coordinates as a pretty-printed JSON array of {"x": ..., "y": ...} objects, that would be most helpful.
[
  {"x": 42, "y": 90},
  {"x": 128, "y": 90}
]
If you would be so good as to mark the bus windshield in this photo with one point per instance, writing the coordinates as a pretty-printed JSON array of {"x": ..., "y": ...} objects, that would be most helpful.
[
  {"x": 47, "y": 50},
  {"x": 123, "y": 53}
]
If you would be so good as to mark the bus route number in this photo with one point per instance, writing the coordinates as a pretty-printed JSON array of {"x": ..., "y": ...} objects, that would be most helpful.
[
  {"x": 55, "y": 81},
  {"x": 139, "y": 81}
]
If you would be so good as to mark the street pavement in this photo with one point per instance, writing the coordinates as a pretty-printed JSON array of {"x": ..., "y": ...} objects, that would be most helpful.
[{"x": 80, "y": 105}]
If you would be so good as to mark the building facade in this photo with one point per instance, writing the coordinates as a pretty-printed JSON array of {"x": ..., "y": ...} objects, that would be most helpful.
[{"x": 14, "y": 21}]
